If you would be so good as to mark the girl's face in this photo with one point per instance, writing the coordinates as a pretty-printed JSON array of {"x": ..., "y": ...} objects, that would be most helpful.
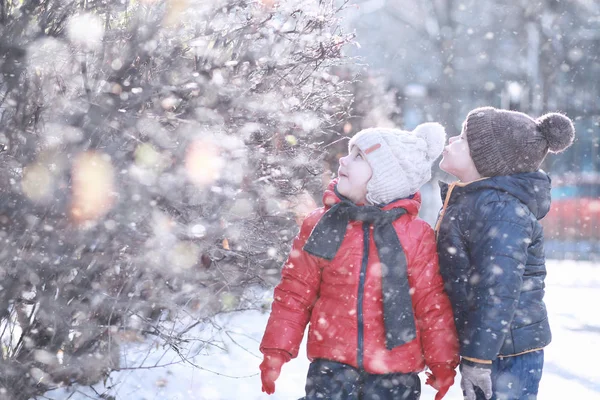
[
  {"x": 457, "y": 159},
  {"x": 354, "y": 173}
]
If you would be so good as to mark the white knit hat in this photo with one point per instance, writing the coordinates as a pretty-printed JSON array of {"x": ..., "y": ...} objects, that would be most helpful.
[{"x": 401, "y": 161}]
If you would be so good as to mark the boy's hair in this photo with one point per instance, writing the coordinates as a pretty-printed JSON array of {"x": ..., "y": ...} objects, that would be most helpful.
[
  {"x": 401, "y": 161},
  {"x": 505, "y": 142}
]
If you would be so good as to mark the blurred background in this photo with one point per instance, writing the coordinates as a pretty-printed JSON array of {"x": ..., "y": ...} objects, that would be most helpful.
[{"x": 438, "y": 59}]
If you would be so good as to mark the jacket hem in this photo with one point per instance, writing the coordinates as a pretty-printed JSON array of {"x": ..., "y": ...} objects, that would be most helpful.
[{"x": 521, "y": 353}]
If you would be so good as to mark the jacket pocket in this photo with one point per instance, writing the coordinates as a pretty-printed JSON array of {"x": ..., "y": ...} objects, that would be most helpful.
[{"x": 529, "y": 337}]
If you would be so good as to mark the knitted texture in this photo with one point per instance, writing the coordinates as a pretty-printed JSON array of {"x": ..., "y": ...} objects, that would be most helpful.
[
  {"x": 503, "y": 142},
  {"x": 401, "y": 161}
]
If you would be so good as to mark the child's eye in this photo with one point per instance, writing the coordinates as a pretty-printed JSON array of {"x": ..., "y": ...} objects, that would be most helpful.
[{"x": 358, "y": 155}]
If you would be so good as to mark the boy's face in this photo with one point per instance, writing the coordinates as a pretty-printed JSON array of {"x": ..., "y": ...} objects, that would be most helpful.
[
  {"x": 457, "y": 159},
  {"x": 354, "y": 173}
]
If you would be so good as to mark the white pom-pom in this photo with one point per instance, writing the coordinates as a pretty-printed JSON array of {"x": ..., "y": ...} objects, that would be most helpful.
[{"x": 435, "y": 136}]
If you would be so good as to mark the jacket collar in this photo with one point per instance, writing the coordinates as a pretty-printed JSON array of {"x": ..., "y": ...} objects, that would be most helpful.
[{"x": 530, "y": 188}]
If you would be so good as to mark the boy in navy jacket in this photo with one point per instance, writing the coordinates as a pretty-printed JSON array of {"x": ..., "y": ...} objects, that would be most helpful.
[{"x": 490, "y": 247}]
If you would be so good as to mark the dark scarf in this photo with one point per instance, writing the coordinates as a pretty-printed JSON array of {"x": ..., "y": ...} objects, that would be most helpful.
[{"x": 326, "y": 238}]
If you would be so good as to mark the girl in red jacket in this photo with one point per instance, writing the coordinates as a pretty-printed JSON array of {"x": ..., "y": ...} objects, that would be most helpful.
[{"x": 364, "y": 272}]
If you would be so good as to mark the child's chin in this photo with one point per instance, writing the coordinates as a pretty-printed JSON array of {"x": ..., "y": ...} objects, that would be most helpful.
[
  {"x": 341, "y": 188},
  {"x": 444, "y": 165}
]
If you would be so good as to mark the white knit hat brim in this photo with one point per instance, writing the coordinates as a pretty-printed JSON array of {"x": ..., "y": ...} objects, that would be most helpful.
[{"x": 401, "y": 163}]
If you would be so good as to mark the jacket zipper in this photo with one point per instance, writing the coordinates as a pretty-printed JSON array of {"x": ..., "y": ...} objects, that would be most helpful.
[
  {"x": 443, "y": 210},
  {"x": 361, "y": 289},
  {"x": 447, "y": 199}
]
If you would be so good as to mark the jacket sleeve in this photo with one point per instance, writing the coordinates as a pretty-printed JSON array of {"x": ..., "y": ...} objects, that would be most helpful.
[
  {"x": 294, "y": 296},
  {"x": 498, "y": 240},
  {"x": 433, "y": 312}
]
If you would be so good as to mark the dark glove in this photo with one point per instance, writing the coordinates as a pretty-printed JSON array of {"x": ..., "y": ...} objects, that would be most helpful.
[
  {"x": 270, "y": 369},
  {"x": 475, "y": 374},
  {"x": 441, "y": 379}
]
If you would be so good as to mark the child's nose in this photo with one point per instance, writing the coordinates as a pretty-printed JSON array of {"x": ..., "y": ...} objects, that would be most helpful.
[
  {"x": 343, "y": 160},
  {"x": 452, "y": 139}
]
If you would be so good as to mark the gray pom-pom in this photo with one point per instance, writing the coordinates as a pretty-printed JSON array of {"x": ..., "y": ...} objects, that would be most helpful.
[
  {"x": 558, "y": 131},
  {"x": 435, "y": 137}
]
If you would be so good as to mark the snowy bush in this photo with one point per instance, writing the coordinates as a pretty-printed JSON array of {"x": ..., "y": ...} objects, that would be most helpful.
[{"x": 157, "y": 156}]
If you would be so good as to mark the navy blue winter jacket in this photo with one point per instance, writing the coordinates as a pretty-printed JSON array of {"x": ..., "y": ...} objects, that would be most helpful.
[{"x": 491, "y": 253}]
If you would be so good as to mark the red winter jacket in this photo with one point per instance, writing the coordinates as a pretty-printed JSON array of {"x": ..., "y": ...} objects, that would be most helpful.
[{"x": 325, "y": 293}]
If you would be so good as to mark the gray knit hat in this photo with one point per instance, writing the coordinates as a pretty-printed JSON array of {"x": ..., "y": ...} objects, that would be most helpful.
[
  {"x": 401, "y": 161},
  {"x": 505, "y": 142}
]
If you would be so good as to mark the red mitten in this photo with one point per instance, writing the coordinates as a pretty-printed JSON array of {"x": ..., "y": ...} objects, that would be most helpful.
[
  {"x": 270, "y": 368},
  {"x": 441, "y": 378}
]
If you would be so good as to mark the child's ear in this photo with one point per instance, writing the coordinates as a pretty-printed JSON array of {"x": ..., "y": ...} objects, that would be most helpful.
[{"x": 435, "y": 136}]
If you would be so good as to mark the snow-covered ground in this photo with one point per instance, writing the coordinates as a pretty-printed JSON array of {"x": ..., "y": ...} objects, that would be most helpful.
[{"x": 571, "y": 361}]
